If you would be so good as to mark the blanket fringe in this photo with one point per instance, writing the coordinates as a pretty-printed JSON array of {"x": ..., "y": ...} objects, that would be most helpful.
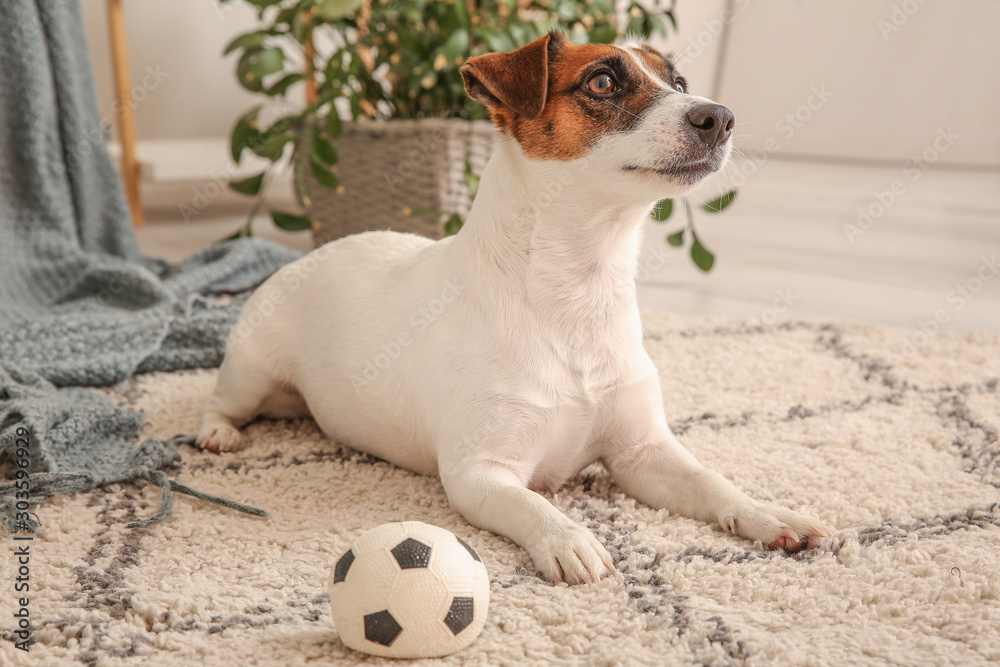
[
  {"x": 166, "y": 499},
  {"x": 44, "y": 485}
]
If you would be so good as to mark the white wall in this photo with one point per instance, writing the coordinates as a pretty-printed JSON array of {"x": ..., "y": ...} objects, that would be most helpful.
[
  {"x": 893, "y": 79},
  {"x": 197, "y": 94}
]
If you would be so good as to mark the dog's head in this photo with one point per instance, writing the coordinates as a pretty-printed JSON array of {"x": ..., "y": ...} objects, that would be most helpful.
[{"x": 625, "y": 104}]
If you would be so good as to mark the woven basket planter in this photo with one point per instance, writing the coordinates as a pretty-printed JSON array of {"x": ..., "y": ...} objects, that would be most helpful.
[{"x": 385, "y": 167}]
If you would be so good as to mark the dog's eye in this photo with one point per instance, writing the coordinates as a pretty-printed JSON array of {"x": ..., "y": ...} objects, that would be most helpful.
[
  {"x": 602, "y": 84},
  {"x": 680, "y": 87}
]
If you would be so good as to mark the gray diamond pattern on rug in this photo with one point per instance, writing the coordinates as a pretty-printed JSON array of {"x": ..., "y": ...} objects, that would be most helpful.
[{"x": 897, "y": 450}]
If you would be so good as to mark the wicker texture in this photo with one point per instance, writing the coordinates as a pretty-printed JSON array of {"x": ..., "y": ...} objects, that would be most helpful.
[{"x": 386, "y": 167}]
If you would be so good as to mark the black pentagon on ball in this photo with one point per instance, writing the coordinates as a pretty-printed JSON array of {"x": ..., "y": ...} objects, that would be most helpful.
[
  {"x": 381, "y": 628},
  {"x": 460, "y": 615},
  {"x": 472, "y": 551},
  {"x": 343, "y": 565},
  {"x": 412, "y": 553}
]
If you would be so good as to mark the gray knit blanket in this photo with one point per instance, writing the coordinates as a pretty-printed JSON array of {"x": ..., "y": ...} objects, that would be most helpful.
[{"x": 79, "y": 304}]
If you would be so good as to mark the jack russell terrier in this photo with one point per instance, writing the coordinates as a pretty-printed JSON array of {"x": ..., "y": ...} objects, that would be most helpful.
[{"x": 509, "y": 357}]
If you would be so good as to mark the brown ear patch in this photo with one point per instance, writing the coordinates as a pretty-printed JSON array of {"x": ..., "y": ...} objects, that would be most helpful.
[{"x": 516, "y": 80}]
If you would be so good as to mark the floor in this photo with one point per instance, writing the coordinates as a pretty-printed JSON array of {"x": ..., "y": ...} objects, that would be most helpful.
[{"x": 793, "y": 245}]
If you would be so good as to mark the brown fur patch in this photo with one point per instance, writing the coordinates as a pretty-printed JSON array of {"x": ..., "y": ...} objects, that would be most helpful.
[{"x": 571, "y": 117}]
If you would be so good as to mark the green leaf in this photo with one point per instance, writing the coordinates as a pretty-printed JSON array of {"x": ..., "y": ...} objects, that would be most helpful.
[
  {"x": 330, "y": 10},
  {"x": 453, "y": 225},
  {"x": 284, "y": 83},
  {"x": 244, "y": 133},
  {"x": 273, "y": 147},
  {"x": 670, "y": 15},
  {"x": 603, "y": 34},
  {"x": 300, "y": 181},
  {"x": 700, "y": 255},
  {"x": 249, "y": 39},
  {"x": 471, "y": 180},
  {"x": 662, "y": 210},
  {"x": 257, "y": 64},
  {"x": 290, "y": 222},
  {"x": 323, "y": 174},
  {"x": 676, "y": 239},
  {"x": 323, "y": 150},
  {"x": 457, "y": 45},
  {"x": 284, "y": 124},
  {"x": 636, "y": 27},
  {"x": 248, "y": 186},
  {"x": 334, "y": 126},
  {"x": 461, "y": 13},
  {"x": 722, "y": 202},
  {"x": 301, "y": 22}
]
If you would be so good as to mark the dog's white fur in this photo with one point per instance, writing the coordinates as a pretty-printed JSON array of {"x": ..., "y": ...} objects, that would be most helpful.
[{"x": 506, "y": 358}]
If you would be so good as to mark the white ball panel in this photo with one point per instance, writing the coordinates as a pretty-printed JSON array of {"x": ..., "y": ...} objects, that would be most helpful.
[
  {"x": 370, "y": 581},
  {"x": 455, "y": 566},
  {"x": 385, "y": 537},
  {"x": 418, "y": 597}
]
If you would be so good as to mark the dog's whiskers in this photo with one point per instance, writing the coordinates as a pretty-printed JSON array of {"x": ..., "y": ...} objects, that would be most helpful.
[{"x": 623, "y": 109}]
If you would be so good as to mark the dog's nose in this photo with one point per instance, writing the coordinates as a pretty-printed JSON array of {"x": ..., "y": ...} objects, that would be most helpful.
[{"x": 714, "y": 123}]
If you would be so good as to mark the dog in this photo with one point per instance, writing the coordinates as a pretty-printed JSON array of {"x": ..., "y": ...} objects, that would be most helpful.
[{"x": 508, "y": 357}]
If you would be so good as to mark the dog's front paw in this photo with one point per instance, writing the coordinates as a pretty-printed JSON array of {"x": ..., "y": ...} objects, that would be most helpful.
[
  {"x": 572, "y": 554},
  {"x": 218, "y": 437},
  {"x": 776, "y": 527}
]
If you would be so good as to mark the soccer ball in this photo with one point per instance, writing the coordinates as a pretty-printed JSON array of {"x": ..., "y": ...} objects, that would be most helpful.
[{"x": 409, "y": 590}]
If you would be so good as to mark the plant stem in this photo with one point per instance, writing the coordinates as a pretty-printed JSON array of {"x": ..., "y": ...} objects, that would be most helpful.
[{"x": 258, "y": 202}]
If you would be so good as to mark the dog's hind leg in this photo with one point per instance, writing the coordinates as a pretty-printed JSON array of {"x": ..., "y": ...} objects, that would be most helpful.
[{"x": 244, "y": 387}]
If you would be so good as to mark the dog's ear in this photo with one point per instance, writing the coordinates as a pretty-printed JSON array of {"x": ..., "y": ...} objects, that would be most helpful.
[{"x": 518, "y": 80}]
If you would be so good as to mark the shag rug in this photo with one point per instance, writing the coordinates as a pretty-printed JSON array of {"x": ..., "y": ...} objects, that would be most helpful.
[{"x": 890, "y": 439}]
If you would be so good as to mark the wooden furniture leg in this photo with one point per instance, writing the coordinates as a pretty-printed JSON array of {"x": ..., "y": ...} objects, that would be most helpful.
[{"x": 125, "y": 110}]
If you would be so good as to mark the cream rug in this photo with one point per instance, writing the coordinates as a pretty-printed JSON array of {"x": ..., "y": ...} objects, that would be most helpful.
[{"x": 891, "y": 440}]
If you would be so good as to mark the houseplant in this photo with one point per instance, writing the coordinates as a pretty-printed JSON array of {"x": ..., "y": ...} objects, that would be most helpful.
[{"x": 378, "y": 60}]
